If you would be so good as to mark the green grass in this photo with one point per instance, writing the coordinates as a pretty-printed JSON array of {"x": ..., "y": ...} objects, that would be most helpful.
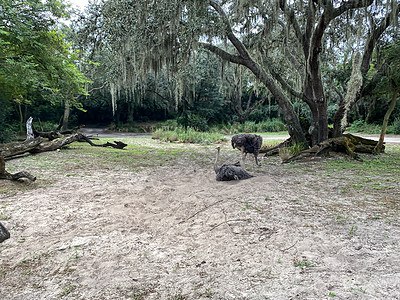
[
  {"x": 303, "y": 264},
  {"x": 387, "y": 164}
]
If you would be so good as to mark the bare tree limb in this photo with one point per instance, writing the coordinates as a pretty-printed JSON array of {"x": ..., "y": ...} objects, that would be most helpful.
[{"x": 228, "y": 29}]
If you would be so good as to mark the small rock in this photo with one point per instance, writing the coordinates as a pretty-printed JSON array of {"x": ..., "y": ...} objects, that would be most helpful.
[{"x": 358, "y": 247}]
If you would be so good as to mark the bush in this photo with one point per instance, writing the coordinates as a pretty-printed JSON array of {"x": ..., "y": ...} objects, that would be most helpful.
[
  {"x": 45, "y": 126},
  {"x": 270, "y": 125},
  {"x": 171, "y": 124},
  {"x": 395, "y": 127},
  {"x": 190, "y": 120},
  {"x": 188, "y": 135},
  {"x": 362, "y": 126},
  {"x": 8, "y": 133}
]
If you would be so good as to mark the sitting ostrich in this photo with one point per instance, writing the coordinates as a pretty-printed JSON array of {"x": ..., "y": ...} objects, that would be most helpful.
[
  {"x": 247, "y": 143},
  {"x": 4, "y": 234},
  {"x": 229, "y": 172}
]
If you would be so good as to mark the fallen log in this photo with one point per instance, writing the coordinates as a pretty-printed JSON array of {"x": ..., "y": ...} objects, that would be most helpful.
[
  {"x": 35, "y": 144},
  {"x": 50, "y": 135},
  {"x": 38, "y": 145},
  {"x": 6, "y": 175},
  {"x": 57, "y": 143},
  {"x": 117, "y": 144},
  {"x": 17, "y": 148},
  {"x": 4, "y": 234}
]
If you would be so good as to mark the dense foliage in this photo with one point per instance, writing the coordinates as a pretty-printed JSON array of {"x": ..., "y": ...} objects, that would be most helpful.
[{"x": 37, "y": 65}]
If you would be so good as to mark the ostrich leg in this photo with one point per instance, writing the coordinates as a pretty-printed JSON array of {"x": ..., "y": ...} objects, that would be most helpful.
[{"x": 244, "y": 154}]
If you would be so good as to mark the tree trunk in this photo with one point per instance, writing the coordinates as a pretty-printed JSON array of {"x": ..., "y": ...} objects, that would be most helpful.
[
  {"x": 244, "y": 59},
  {"x": 21, "y": 118},
  {"x": 292, "y": 120},
  {"x": 379, "y": 146},
  {"x": 322, "y": 120},
  {"x": 337, "y": 118},
  {"x": 130, "y": 118},
  {"x": 67, "y": 110}
]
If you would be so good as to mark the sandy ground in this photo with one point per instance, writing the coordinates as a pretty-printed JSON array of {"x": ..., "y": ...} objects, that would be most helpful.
[{"x": 173, "y": 232}]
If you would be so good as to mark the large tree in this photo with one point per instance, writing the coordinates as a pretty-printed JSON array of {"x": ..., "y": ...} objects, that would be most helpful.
[
  {"x": 35, "y": 60},
  {"x": 285, "y": 44},
  {"x": 391, "y": 84}
]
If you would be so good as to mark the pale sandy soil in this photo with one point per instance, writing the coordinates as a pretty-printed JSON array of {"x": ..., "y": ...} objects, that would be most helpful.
[{"x": 173, "y": 232}]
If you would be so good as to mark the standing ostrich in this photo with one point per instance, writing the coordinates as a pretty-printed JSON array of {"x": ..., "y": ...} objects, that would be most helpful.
[
  {"x": 229, "y": 172},
  {"x": 247, "y": 143}
]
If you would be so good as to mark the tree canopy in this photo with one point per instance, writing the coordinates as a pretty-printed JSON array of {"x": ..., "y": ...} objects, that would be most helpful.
[{"x": 286, "y": 45}]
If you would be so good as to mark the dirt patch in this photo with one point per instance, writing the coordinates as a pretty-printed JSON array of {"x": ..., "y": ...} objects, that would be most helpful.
[{"x": 171, "y": 231}]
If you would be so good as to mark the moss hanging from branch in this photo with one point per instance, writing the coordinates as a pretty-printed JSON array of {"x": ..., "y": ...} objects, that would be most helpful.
[{"x": 354, "y": 87}]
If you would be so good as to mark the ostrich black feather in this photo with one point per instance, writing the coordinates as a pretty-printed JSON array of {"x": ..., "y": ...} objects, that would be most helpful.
[
  {"x": 247, "y": 143},
  {"x": 229, "y": 172}
]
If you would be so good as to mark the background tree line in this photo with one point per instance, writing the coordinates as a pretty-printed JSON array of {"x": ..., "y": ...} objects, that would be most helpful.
[{"x": 316, "y": 65}]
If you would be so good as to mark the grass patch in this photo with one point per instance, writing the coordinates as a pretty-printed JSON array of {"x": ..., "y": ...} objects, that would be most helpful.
[
  {"x": 81, "y": 159},
  {"x": 302, "y": 264},
  {"x": 388, "y": 165}
]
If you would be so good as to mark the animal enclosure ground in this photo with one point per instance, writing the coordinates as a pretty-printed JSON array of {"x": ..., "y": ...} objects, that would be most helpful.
[{"x": 151, "y": 222}]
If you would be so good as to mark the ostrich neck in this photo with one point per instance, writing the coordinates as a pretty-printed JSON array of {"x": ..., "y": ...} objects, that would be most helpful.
[{"x": 216, "y": 169}]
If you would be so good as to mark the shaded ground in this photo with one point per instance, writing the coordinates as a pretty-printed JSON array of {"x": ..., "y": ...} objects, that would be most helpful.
[{"x": 152, "y": 223}]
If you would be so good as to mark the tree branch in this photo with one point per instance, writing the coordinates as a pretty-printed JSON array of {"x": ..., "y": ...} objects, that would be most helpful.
[
  {"x": 290, "y": 15},
  {"x": 373, "y": 38},
  {"x": 228, "y": 30},
  {"x": 222, "y": 53},
  {"x": 347, "y": 5}
]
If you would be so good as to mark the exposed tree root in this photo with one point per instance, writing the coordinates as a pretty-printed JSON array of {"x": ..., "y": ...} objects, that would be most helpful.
[{"x": 347, "y": 143}]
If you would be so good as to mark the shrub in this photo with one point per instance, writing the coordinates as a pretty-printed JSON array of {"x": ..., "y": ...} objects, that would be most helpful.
[
  {"x": 362, "y": 126},
  {"x": 8, "y": 133},
  {"x": 270, "y": 125},
  {"x": 188, "y": 135},
  {"x": 171, "y": 124},
  {"x": 46, "y": 126},
  {"x": 189, "y": 120},
  {"x": 395, "y": 127}
]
